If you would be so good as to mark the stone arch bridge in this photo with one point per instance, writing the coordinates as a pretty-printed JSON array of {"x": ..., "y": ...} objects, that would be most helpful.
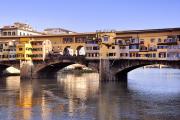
[{"x": 109, "y": 69}]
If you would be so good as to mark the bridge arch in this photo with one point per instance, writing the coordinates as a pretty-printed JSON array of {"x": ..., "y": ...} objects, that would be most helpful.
[
  {"x": 68, "y": 51},
  {"x": 80, "y": 50},
  {"x": 50, "y": 70},
  {"x": 119, "y": 68},
  {"x": 123, "y": 74},
  {"x": 3, "y": 67}
]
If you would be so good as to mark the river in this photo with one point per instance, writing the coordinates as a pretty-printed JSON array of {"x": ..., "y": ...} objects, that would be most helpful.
[{"x": 150, "y": 94}]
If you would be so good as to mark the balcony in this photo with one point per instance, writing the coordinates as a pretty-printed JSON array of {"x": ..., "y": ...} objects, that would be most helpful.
[
  {"x": 152, "y": 49},
  {"x": 80, "y": 39},
  {"x": 134, "y": 41},
  {"x": 134, "y": 50},
  {"x": 121, "y": 43},
  {"x": 68, "y": 40},
  {"x": 173, "y": 56},
  {"x": 91, "y": 41},
  {"x": 143, "y": 49},
  {"x": 169, "y": 41}
]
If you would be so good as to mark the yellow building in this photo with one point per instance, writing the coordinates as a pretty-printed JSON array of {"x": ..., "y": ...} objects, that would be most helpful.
[
  {"x": 107, "y": 44},
  {"x": 24, "y": 49}
]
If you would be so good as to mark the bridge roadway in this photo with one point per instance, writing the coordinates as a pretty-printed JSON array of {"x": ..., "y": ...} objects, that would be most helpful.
[{"x": 108, "y": 69}]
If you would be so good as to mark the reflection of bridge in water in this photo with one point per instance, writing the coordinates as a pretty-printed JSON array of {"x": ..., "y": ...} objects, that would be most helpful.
[{"x": 109, "y": 69}]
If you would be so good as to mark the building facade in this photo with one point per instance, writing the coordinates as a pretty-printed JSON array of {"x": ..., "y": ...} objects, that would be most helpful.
[
  {"x": 18, "y": 29},
  {"x": 8, "y": 50},
  {"x": 40, "y": 49},
  {"x": 155, "y": 44},
  {"x": 57, "y": 31}
]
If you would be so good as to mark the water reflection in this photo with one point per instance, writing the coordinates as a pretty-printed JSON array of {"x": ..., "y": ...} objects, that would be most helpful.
[
  {"x": 149, "y": 94},
  {"x": 110, "y": 106},
  {"x": 78, "y": 88},
  {"x": 13, "y": 83}
]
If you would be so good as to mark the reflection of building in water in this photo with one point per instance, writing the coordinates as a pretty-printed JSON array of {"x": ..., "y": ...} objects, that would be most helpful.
[
  {"x": 25, "y": 99},
  {"x": 9, "y": 89},
  {"x": 111, "y": 107},
  {"x": 46, "y": 113},
  {"x": 79, "y": 87},
  {"x": 13, "y": 83},
  {"x": 29, "y": 97}
]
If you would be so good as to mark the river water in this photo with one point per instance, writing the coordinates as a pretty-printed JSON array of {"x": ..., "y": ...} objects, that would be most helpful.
[{"x": 150, "y": 94}]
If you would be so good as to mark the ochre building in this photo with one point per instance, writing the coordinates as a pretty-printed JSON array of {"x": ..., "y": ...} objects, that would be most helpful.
[{"x": 158, "y": 44}]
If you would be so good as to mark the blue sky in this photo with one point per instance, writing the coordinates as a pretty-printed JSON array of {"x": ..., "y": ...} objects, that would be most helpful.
[{"x": 92, "y": 15}]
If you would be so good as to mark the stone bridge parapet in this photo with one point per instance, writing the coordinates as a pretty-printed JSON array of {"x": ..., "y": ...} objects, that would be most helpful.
[{"x": 108, "y": 69}]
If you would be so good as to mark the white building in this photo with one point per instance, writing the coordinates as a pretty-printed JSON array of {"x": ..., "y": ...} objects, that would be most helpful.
[
  {"x": 92, "y": 49},
  {"x": 8, "y": 50},
  {"x": 57, "y": 31},
  {"x": 124, "y": 47},
  {"x": 173, "y": 52},
  {"x": 18, "y": 29}
]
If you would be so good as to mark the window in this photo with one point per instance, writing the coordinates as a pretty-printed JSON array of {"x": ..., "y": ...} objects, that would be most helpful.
[
  {"x": 88, "y": 48},
  {"x": 154, "y": 54},
  {"x": 20, "y": 49},
  {"x": 80, "y": 39},
  {"x": 142, "y": 41},
  {"x": 159, "y": 40},
  {"x": 13, "y": 33},
  {"x": 106, "y": 39},
  {"x": 134, "y": 47},
  {"x": 122, "y": 47},
  {"x": 113, "y": 47},
  {"x": 5, "y": 33},
  {"x": 36, "y": 49},
  {"x": 112, "y": 54},
  {"x": 96, "y": 48},
  {"x": 162, "y": 55},
  {"x": 9, "y": 33},
  {"x": 152, "y": 40},
  {"x": 67, "y": 40}
]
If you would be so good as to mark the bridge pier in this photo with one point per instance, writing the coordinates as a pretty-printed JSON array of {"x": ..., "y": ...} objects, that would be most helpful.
[
  {"x": 109, "y": 69},
  {"x": 122, "y": 77},
  {"x": 105, "y": 73},
  {"x": 26, "y": 69},
  {"x": 108, "y": 73}
]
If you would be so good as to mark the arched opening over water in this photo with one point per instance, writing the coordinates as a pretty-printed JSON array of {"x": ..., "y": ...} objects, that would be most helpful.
[
  {"x": 51, "y": 70},
  {"x": 123, "y": 74},
  {"x": 9, "y": 70},
  {"x": 68, "y": 51},
  {"x": 154, "y": 80},
  {"x": 80, "y": 51}
]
